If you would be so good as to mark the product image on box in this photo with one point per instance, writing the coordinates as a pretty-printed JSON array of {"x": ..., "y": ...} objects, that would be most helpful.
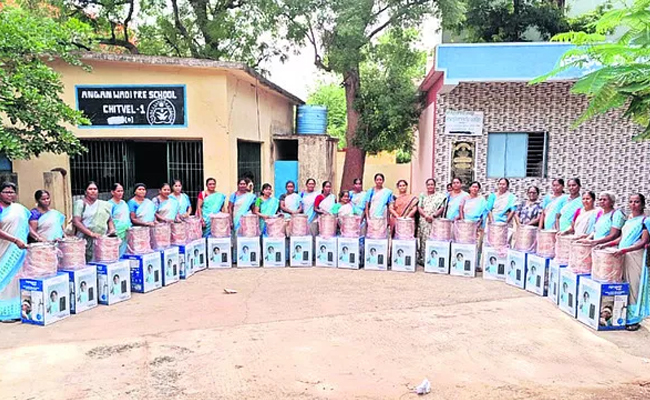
[
  {"x": 326, "y": 252},
  {"x": 436, "y": 257},
  {"x": 146, "y": 271},
  {"x": 114, "y": 282},
  {"x": 494, "y": 263},
  {"x": 274, "y": 252},
  {"x": 554, "y": 269},
  {"x": 403, "y": 256},
  {"x": 348, "y": 249},
  {"x": 248, "y": 252},
  {"x": 376, "y": 254},
  {"x": 170, "y": 271},
  {"x": 463, "y": 260},
  {"x": 45, "y": 300},
  {"x": 219, "y": 250},
  {"x": 185, "y": 261},
  {"x": 569, "y": 283},
  {"x": 199, "y": 255},
  {"x": 83, "y": 288},
  {"x": 300, "y": 251},
  {"x": 602, "y": 306},
  {"x": 516, "y": 268},
  {"x": 537, "y": 276}
]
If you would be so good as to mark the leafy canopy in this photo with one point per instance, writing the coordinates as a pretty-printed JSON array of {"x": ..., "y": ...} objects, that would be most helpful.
[
  {"x": 35, "y": 116},
  {"x": 332, "y": 96},
  {"x": 621, "y": 78}
]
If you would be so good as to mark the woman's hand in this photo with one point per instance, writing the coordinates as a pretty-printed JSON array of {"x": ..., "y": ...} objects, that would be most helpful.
[
  {"x": 429, "y": 218},
  {"x": 150, "y": 224},
  {"x": 202, "y": 222},
  {"x": 95, "y": 235},
  {"x": 619, "y": 253},
  {"x": 20, "y": 244}
]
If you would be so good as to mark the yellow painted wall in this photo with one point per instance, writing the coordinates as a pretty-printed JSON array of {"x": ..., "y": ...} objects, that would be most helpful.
[
  {"x": 381, "y": 163},
  {"x": 222, "y": 106}
]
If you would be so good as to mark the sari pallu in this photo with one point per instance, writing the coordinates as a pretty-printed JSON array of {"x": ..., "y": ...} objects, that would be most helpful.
[
  {"x": 501, "y": 205},
  {"x": 269, "y": 208},
  {"x": 359, "y": 201},
  {"x": 184, "y": 203},
  {"x": 241, "y": 205},
  {"x": 307, "y": 200},
  {"x": 122, "y": 222},
  {"x": 475, "y": 209},
  {"x": 585, "y": 221},
  {"x": 167, "y": 209},
  {"x": 403, "y": 206},
  {"x": 635, "y": 270},
  {"x": 50, "y": 225},
  {"x": 292, "y": 202},
  {"x": 552, "y": 207},
  {"x": 604, "y": 224},
  {"x": 568, "y": 211},
  {"x": 379, "y": 201},
  {"x": 145, "y": 211},
  {"x": 453, "y": 205},
  {"x": 95, "y": 218},
  {"x": 14, "y": 220},
  {"x": 212, "y": 204}
]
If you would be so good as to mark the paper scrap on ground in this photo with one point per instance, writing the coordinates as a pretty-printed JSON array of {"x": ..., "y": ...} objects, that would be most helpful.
[
  {"x": 230, "y": 291},
  {"x": 424, "y": 387}
]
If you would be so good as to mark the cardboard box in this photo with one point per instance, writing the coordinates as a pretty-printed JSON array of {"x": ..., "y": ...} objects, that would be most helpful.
[
  {"x": 300, "y": 251},
  {"x": 348, "y": 249},
  {"x": 249, "y": 254},
  {"x": 113, "y": 282},
  {"x": 569, "y": 283},
  {"x": 602, "y": 306},
  {"x": 463, "y": 260},
  {"x": 274, "y": 251},
  {"x": 537, "y": 275},
  {"x": 516, "y": 268},
  {"x": 146, "y": 271},
  {"x": 45, "y": 300},
  {"x": 83, "y": 288},
  {"x": 437, "y": 257},
  {"x": 199, "y": 255},
  {"x": 185, "y": 263},
  {"x": 403, "y": 258},
  {"x": 376, "y": 252},
  {"x": 554, "y": 269},
  {"x": 326, "y": 252},
  {"x": 170, "y": 270},
  {"x": 219, "y": 253},
  {"x": 494, "y": 263}
]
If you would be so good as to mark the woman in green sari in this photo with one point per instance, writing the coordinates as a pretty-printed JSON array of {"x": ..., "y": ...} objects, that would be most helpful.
[
  {"x": 92, "y": 218},
  {"x": 209, "y": 202},
  {"x": 240, "y": 203},
  {"x": 266, "y": 206},
  {"x": 120, "y": 214}
]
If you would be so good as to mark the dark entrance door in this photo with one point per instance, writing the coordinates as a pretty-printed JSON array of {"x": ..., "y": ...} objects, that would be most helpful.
[{"x": 249, "y": 162}]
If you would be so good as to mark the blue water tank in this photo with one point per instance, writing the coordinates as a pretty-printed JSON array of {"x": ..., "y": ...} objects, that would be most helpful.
[{"x": 312, "y": 120}]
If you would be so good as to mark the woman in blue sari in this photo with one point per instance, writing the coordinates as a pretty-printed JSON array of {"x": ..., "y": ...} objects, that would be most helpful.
[
  {"x": 378, "y": 199},
  {"x": 631, "y": 245},
  {"x": 45, "y": 224},
  {"x": 502, "y": 205},
  {"x": 184, "y": 204},
  {"x": 573, "y": 204},
  {"x": 266, "y": 206},
  {"x": 209, "y": 202},
  {"x": 608, "y": 226},
  {"x": 308, "y": 200},
  {"x": 240, "y": 203},
  {"x": 552, "y": 204},
  {"x": 166, "y": 205},
  {"x": 358, "y": 197},
  {"x": 143, "y": 211},
  {"x": 14, "y": 229},
  {"x": 474, "y": 207},
  {"x": 455, "y": 199},
  {"x": 121, "y": 215}
]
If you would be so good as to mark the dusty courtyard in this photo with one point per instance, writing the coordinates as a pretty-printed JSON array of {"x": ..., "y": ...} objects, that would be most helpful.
[{"x": 324, "y": 334}]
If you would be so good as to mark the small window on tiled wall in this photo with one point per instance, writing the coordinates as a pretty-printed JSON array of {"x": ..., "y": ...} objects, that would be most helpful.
[
  {"x": 5, "y": 163},
  {"x": 517, "y": 154}
]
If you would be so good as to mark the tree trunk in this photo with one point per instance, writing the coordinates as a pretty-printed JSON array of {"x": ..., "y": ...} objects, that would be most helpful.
[{"x": 355, "y": 157}]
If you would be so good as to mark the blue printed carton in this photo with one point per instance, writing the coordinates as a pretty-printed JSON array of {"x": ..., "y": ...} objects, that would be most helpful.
[
  {"x": 569, "y": 282},
  {"x": 516, "y": 268},
  {"x": 554, "y": 270},
  {"x": 113, "y": 282},
  {"x": 537, "y": 274},
  {"x": 170, "y": 270},
  {"x": 45, "y": 300},
  {"x": 602, "y": 306},
  {"x": 83, "y": 288},
  {"x": 185, "y": 262},
  {"x": 146, "y": 271}
]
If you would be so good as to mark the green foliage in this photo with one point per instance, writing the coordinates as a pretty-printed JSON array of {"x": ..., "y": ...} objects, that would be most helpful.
[
  {"x": 332, "y": 96},
  {"x": 30, "y": 90},
  {"x": 620, "y": 76},
  {"x": 511, "y": 21}
]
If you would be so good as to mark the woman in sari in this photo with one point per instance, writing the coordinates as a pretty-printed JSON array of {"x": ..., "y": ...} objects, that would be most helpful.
[
  {"x": 358, "y": 197},
  {"x": 455, "y": 199},
  {"x": 608, "y": 226},
  {"x": 307, "y": 199},
  {"x": 266, "y": 206},
  {"x": 325, "y": 200},
  {"x": 14, "y": 229},
  {"x": 143, "y": 211},
  {"x": 502, "y": 205},
  {"x": 345, "y": 207},
  {"x": 120, "y": 214},
  {"x": 584, "y": 218},
  {"x": 474, "y": 207},
  {"x": 379, "y": 198},
  {"x": 430, "y": 206},
  {"x": 184, "y": 204},
  {"x": 631, "y": 245},
  {"x": 290, "y": 201},
  {"x": 530, "y": 211},
  {"x": 166, "y": 205},
  {"x": 573, "y": 204},
  {"x": 404, "y": 205},
  {"x": 92, "y": 218},
  {"x": 45, "y": 224},
  {"x": 552, "y": 204},
  {"x": 240, "y": 203},
  {"x": 210, "y": 202}
]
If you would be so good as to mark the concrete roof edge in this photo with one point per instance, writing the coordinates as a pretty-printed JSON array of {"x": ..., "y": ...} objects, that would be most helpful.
[{"x": 191, "y": 63}]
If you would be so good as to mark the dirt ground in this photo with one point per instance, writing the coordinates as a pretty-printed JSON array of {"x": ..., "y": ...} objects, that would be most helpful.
[{"x": 324, "y": 334}]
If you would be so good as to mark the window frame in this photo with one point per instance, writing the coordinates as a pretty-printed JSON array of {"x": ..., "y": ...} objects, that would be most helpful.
[{"x": 544, "y": 169}]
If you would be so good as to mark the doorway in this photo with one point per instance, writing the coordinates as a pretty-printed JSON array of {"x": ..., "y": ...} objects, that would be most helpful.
[
  {"x": 249, "y": 162},
  {"x": 151, "y": 165}
]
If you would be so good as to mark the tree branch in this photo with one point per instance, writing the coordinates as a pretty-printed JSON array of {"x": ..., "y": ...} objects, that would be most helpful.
[
  {"x": 395, "y": 17},
  {"x": 318, "y": 61},
  {"x": 127, "y": 20},
  {"x": 121, "y": 43},
  {"x": 181, "y": 28}
]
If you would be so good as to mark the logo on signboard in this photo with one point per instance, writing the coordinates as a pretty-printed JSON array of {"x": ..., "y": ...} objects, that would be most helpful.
[{"x": 161, "y": 112}]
